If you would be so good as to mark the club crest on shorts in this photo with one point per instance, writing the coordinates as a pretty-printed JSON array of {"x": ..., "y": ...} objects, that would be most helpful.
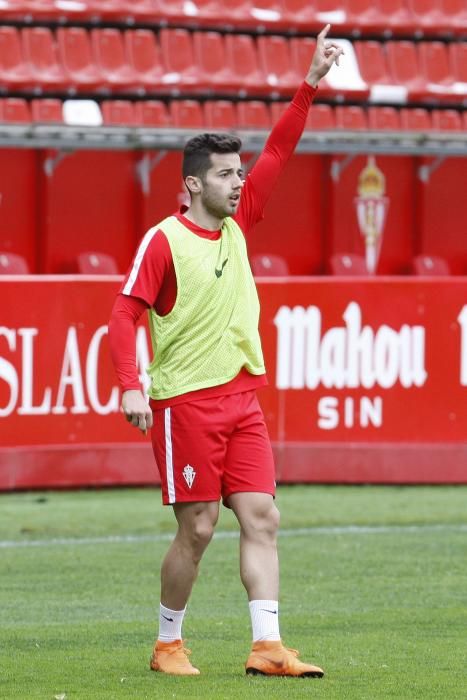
[{"x": 189, "y": 475}]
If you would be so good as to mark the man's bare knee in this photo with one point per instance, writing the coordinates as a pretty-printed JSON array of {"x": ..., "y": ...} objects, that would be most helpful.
[
  {"x": 196, "y": 523},
  {"x": 257, "y": 514},
  {"x": 266, "y": 521}
]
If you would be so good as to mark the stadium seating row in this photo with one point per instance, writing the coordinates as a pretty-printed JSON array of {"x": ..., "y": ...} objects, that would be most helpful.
[
  {"x": 223, "y": 114},
  {"x": 391, "y": 17},
  {"x": 176, "y": 61},
  {"x": 92, "y": 262}
]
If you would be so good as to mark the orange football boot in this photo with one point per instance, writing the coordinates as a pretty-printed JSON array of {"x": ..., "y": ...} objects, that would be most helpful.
[
  {"x": 271, "y": 658},
  {"x": 172, "y": 657}
]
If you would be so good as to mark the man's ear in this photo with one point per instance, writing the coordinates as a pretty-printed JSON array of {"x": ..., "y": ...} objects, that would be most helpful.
[{"x": 193, "y": 184}]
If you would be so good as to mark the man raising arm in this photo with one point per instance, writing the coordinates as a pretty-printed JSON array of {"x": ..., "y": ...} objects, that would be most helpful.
[{"x": 191, "y": 272}]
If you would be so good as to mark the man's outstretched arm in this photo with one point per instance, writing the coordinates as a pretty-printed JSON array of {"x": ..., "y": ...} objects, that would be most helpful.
[{"x": 285, "y": 135}]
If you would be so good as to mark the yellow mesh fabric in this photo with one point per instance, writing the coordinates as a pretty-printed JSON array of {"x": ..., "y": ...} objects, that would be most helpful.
[{"x": 212, "y": 331}]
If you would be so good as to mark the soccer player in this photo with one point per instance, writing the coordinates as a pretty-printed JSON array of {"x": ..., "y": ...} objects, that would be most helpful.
[{"x": 191, "y": 272}]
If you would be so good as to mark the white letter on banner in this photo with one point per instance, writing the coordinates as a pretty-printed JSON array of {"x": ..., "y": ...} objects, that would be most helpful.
[
  {"x": 386, "y": 356},
  {"x": 360, "y": 349},
  {"x": 297, "y": 347},
  {"x": 92, "y": 365},
  {"x": 290, "y": 371},
  {"x": 8, "y": 372},
  {"x": 27, "y": 380},
  {"x": 462, "y": 318},
  {"x": 71, "y": 376},
  {"x": 412, "y": 360},
  {"x": 371, "y": 411},
  {"x": 313, "y": 338},
  {"x": 328, "y": 413},
  {"x": 418, "y": 355},
  {"x": 332, "y": 358}
]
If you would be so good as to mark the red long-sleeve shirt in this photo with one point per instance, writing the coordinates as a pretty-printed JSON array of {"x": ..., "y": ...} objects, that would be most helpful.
[{"x": 153, "y": 280}]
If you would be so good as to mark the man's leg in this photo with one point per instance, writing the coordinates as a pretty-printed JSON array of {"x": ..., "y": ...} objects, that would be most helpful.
[
  {"x": 259, "y": 565},
  {"x": 196, "y": 522},
  {"x": 259, "y": 570}
]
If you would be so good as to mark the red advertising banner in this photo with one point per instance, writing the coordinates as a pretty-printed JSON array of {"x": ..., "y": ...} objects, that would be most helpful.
[{"x": 367, "y": 382}]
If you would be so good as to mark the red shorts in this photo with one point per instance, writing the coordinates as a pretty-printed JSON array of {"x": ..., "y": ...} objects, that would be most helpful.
[{"x": 211, "y": 448}]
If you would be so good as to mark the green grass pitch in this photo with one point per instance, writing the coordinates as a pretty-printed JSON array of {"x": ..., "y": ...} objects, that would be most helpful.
[{"x": 374, "y": 589}]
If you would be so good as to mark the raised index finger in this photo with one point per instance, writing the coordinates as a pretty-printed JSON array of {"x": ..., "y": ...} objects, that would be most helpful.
[{"x": 324, "y": 32}]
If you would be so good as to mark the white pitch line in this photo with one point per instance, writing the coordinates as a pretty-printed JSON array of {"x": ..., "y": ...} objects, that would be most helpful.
[{"x": 227, "y": 534}]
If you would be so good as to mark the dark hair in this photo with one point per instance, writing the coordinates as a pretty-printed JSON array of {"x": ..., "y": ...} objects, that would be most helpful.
[{"x": 197, "y": 152}]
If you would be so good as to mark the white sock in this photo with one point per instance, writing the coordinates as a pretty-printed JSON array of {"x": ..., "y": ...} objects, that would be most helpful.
[
  {"x": 265, "y": 620},
  {"x": 170, "y": 624}
]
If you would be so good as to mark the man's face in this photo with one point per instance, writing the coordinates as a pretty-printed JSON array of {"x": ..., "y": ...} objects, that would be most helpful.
[{"x": 222, "y": 184}]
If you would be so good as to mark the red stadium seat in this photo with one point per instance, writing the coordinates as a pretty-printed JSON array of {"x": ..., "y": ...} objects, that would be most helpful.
[
  {"x": 220, "y": 114},
  {"x": 182, "y": 73},
  {"x": 208, "y": 12},
  {"x": 76, "y": 57},
  {"x": 111, "y": 60},
  {"x": 144, "y": 58},
  {"x": 14, "y": 10},
  {"x": 458, "y": 64},
  {"x": 14, "y": 110},
  {"x": 15, "y": 72},
  {"x": 365, "y": 17},
  {"x": 372, "y": 62},
  {"x": 415, "y": 119},
  {"x": 178, "y": 11},
  {"x": 321, "y": 118},
  {"x": 301, "y": 14},
  {"x": 301, "y": 54},
  {"x": 404, "y": 66},
  {"x": 210, "y": 56},
  {"x": 429, "y": 16},
  {"x": 347, "y": 264},
  {"x": 446, "y": 120},
  {"x": 243, "y": 60},
  {"x": 129, "y": 11},
  {"x": 48, "y": 111},
  {"x": 276, "y": 63},
  {"x": 151, "y": 113},
  {"x": 269, "y": 265},
  {"x": 253, "y": 115},
  {"x": 351, "y": 118},
  {"x": 40, "y": 51},
  {"x": 434, "y": 64},
  {"x": 334, "y": 12},
  {"x": 398, "y": 20},
  {"x": 108, "y": 10},
  {"x": 374, "y": 70},
  {"x": 56, "y": 11},
  {"x": 430, "y": 265},
  {"x": 186, "y": 114},
  {"x": 118, "y": 113},
  {"x": 12, "y": 264},
  {"x": 144, "y": 10},
  {"x": 456, "y": 14},
  {"x": 235, "y": 13},
  {"x": 92, "y": 263},
  {"x": 268, "y": 14},
  {"x": 384, "y": 118}
]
